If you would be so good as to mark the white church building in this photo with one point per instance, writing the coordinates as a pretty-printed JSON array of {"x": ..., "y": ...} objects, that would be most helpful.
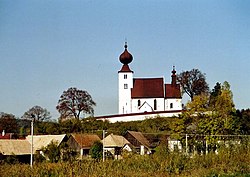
[{"x": 141, "y": 98}]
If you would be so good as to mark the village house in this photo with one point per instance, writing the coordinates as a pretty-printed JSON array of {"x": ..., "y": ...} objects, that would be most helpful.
[
  {"x": 19, "y": 149},
  {"x": 114, "y": 144},
  {"x": 4, "y": 135},
  {"x": 42, "y": 141},
  {"x": 139, "y": 142},
  {"x": 82, "y": 143}
]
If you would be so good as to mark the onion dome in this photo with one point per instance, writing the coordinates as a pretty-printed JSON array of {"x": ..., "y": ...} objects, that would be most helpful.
[{"x": 126, "y": 58}]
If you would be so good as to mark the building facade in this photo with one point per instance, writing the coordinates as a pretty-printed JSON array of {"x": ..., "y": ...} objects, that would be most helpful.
[{"x": 140, "y": 95}]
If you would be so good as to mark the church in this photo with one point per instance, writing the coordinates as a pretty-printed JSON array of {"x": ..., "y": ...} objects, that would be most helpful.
[
  {"x": 140, "y": 95},
  {"x": 142, "y": 98}
]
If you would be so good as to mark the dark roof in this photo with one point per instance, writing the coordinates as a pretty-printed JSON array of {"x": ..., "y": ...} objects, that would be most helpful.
[
  {"x": 148, "y": 88},
  {"x": 172, "y": 91},
  {"x": 125, "y": 68},
  {"x": 139, "y": 137},
  {"x": 86, "y": 140},
  {"x": 7, "y": 136}
]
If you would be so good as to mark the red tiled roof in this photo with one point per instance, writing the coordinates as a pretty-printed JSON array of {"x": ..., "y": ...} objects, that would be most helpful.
[
  {"x": 172, "y": 91},
  {"x": 7, "y": 136},
  {"x": 148, "y": 88},
  {"x": 86, "y": 140}
]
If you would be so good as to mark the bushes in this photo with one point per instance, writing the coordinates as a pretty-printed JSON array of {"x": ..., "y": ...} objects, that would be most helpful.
[
  {"x": 96, "y": 150},
  {"x": 233, "y": 161}
]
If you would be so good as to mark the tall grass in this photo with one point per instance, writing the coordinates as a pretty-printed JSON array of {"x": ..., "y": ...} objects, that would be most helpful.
[{"x": 233, "y": 161}]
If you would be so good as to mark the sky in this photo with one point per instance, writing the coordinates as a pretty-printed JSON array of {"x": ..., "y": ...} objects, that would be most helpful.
[{"x": 49, "y": 46}]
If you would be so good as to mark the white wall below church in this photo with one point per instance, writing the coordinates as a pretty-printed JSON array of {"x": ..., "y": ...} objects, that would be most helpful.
[{"x": 139, "y": 116}]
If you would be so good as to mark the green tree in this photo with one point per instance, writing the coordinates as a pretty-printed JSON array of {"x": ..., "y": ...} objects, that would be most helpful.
[
  {"x": 74, "y": 102},
  {"x": 96, "y": 150},
  {"x": 242, "y": 121},
  {"x": 202, "y": 117},
  {"x": 52, "y": 152}
]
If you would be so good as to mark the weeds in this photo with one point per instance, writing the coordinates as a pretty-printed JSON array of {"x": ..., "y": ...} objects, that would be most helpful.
[{"x": 231, "y": 161}]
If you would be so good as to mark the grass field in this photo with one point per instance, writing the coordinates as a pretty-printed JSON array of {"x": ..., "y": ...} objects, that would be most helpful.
[{"x": 234, "y": 161}]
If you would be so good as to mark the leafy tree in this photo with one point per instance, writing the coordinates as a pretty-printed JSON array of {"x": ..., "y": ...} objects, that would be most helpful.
[
  {"x": 202, "y": 117},
  {"x": 73, "y": 102},
  {"x": 242, "y": 120},
  {"x": 52, "y": 152},
  {"x": 8, "y": 123},
  {"x": 96, "y": 150},
  {"x": 47, "y": 128},
  {"x": 193, "y": 82},
  {"x": 38, "y": 113},
  {"x": 70, "y": 126}
]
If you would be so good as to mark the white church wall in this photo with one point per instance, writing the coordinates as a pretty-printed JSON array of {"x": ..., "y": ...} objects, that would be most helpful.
[
  {"x": 173, "y": 104},
  {"x": 125, "y": 85},
  {"x": 147, "y": 105}
]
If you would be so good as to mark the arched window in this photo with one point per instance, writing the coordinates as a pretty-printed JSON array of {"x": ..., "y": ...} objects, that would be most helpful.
[
  {"x": 171, "y": 105},
  {"x": 155, "y": 104},
  {"x": 139, "y": 103}
]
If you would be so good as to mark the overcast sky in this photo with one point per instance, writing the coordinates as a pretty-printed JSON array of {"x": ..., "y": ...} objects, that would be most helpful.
[{"x": 50, "y": 45}]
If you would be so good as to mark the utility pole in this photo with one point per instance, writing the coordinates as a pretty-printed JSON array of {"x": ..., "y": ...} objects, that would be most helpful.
[
  {"x": 31, "y": 131},
  {"x": 186, "y": 144},
  {"x": 103, "y": 149}
]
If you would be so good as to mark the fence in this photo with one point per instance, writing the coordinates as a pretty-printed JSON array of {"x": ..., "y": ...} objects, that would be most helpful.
[{"x": 202, "y": 144}]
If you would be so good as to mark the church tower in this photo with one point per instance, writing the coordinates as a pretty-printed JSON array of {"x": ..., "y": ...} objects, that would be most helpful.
[{"x": 125, "y": 77}]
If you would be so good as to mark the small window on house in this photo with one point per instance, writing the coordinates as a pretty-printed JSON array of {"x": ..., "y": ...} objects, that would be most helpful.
[
  {"x": 125, "y": 86},
  {"x": 125, "y": 76},
  {"x": 171, "y": 105},
  {"x": 139, "y": 103},
  {"x": 155, "y": 104}
]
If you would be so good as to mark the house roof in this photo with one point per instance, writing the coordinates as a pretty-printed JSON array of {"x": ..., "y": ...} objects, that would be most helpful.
[
  {"x": 6, "y": 136},
  {"x": 139, "y": 137},
  {"x": 148, "y": 88},
  {"x": 114, "y": 141},
  {"x": 86, "y": 140},
  {"x": 172, "y": 91},
  {"x": 40, "y": 141},
  {"x": 17, "y": 147}
]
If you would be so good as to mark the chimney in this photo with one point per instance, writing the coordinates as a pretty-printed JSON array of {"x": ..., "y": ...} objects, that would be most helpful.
[{"x": 3, "y": 133}]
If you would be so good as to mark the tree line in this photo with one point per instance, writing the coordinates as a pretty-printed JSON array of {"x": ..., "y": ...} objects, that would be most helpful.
[{"x": 207, "y": 112}]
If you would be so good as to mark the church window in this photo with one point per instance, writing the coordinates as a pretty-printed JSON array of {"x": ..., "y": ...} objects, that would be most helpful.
[
  {"x": 155, "y": 104},
  {"x": 139, "y": 103},
  {"x": 125, "y": 86},
  {"x": 125, "y": 76},
  {"x": 171, "y": 105}
]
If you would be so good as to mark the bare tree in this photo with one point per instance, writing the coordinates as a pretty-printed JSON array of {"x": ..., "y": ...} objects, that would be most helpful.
[
  {"x": 73, "y": 102},
  {"x": 37, "y": 113},
  {"x": 193, "y": 82}
]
